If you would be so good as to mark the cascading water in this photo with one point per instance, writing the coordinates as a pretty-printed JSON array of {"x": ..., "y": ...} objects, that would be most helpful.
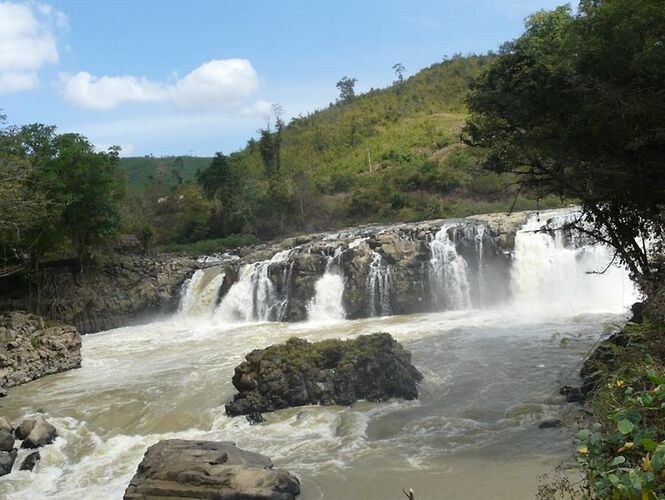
[
  {"x": 327, "y": 304},
  {"x": 199, "y": 295},
  {"x": 379, "y": 286},
  {"x": 449, "y": 273},
  {"x": 254, "y": 297},
  {"x": 555, "y": 271}
]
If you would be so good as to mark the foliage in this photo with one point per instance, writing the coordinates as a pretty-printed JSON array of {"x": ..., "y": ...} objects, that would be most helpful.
[
  {"x": 160, "y": 175},
  {"x": 623, "y": 454},
  {"x": 209, "y": 246},
  {"x": 65, "y": 195},
  {"x": 575, "y": 108}
]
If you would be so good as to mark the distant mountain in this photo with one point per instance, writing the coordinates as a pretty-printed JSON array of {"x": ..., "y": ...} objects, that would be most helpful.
[{"x": 167, "y": 171}]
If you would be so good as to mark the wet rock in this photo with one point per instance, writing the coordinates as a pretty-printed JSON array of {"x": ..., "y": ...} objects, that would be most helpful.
[
  {"x": 371, "y": 367},
  {"x": 550, "y": 423},
  {"x": 41, "y": 434},
  {"x": 3, "y": 392},
  {"x": 33, "y": 349},
  {"x": 7, "y": 459},
  {"x": 6, "y": 440},
  {"x": 5, "y": 426},
  {"x": 255, "y": 418},
  {"x": 30, "y": 461},
  {"x": 24, "y": 429},
  {"x": 573, "y": 394},
  {"x": 212, "y": 470}
]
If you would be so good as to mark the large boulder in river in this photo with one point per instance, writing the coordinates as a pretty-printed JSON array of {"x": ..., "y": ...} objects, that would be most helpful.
[
  {"x": 39, "y": 433},
  {"x": 205, "y": 469},
  {"x": 372, "y": 367},
  {"x": 31, "y": 348}
]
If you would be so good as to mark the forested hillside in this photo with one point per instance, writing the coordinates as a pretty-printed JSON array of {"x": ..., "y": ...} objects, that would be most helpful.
[
  {"x": 391, "y": 154},
  {"x": 144, "y": 172}
]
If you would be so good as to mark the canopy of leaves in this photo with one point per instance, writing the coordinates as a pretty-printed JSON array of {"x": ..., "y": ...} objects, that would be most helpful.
[{"x": 576, "y": 108}]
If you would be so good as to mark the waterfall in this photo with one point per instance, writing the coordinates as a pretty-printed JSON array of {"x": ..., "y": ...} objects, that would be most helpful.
[
  {"x": 254, "y": 297},
  {"x": 555, "y": 269},
  {"x": 199, "y": 293},
  {"x": 328, "y": 290},
  {"x": 449, "y": 273},
  {"x": 379, "y": 286}
]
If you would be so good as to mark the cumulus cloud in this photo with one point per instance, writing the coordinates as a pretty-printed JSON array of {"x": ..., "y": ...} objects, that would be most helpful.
[
  {"x": 217, "y": 84},
  {"x": 27, "y": 42}
]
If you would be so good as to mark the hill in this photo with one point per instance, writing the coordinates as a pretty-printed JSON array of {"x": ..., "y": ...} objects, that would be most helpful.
[
  {"x": 168, "y": 171},
  {"x": 391, "y": 154}
]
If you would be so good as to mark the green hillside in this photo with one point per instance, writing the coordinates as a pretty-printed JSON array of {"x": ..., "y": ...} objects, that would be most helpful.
[
  {"x": 169, "y": 171},
  {"x": 388, "y": 155}
]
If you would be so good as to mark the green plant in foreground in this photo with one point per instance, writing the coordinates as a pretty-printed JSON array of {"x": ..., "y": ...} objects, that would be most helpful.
[{"x": 624, "y": 457}]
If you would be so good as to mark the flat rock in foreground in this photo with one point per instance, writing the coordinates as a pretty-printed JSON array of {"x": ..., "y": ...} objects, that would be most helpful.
[
  {"x": 177, "y": 468},
  {"x": 371, "y": 367}
]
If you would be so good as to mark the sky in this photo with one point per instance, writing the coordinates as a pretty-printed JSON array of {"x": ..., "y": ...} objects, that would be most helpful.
[{"x": 193, "y": 77}]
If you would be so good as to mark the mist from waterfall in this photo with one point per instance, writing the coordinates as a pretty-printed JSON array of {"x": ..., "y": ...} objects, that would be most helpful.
[{"x": 554, "y": 270}]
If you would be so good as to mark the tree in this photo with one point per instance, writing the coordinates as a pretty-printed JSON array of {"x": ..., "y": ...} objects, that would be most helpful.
[
  {"x": 575, "y": 107},
  {"x": 399, "y": 70},
  {"x": 346, "y": 88}
]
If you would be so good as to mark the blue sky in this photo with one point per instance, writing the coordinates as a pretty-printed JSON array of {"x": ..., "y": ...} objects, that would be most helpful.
[{"x": 198, "y": 76}]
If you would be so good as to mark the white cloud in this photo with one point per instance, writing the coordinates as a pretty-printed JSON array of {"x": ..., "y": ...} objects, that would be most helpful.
[
  {"x": 108, "y": 92},
  {"x": 27, "y": 42},
  {"x": 217, "y": 84}
]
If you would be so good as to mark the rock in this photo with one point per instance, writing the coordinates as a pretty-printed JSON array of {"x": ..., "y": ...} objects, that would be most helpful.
[
  {"x": 7, "y": 459},
  {"x": 6, "y": 440},
  {"x": 35, "y": 349},
  {"x": 255, "y": 418},
  {"x": 3, "y": 392},
  {"x": 550, "y": 423},
  {"x": 372, "y": 367},
  {"x": 5, "y": 426},
  {"x": 24, "y": 429},
  {"x": 120, "y": 291},
  {"x": 573, "y": 394},
  {"x": 30, "y": 461},
  {"x": 41, "y": 434},
  {"x": 211, "y": 470}
]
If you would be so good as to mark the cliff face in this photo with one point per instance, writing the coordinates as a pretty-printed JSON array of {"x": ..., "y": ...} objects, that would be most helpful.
[
  {"x": 392, "y": 269},
  {"x": 116, "y": 294},
  {"x": 30, "y": 348}
]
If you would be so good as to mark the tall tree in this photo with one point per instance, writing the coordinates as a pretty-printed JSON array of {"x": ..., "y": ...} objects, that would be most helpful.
[
  {"x": 346, "y": 88},
  {"x": 399, "y": 70},
  {"x": 576, "y": 107}
]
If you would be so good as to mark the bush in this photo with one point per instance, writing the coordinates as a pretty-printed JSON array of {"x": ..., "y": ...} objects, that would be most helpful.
[{"x": 209, "y": 246}]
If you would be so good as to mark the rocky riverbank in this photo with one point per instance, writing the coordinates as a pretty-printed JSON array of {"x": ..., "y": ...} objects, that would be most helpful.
[
  {"x": 119, "y": 292},
  {"x": 31, "y": 348}
]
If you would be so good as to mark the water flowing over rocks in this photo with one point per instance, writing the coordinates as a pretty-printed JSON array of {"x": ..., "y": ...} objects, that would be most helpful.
[
  {"x": 119, "y": 292},
  {"x": 34, "y": 432},
  {"x": 332, "y": 372},
  {"x": 206, "y": 469},
  {"x": 31, "y": 348}
]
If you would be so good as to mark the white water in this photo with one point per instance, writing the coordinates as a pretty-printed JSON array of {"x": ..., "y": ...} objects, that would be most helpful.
[
  {"x": 253, "y": 296},
  {"x": 548, "y": 275},
  {"x": 379, "y": 287},
  {"x": 200, "y": 292},
  {"x": 326, "y": 305},
  {"x": 490, "y": 377},
  {"x": 449, "y": 275}
]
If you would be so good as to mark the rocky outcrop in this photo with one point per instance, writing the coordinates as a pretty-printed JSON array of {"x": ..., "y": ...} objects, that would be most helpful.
[
  {"x": 119, "y": 292},
  {"x": 371, "y": 367},
  {"x": 211, "y": 470},
  {"x": 34, "y": 433},
  {"x": 31, "y": 348}
]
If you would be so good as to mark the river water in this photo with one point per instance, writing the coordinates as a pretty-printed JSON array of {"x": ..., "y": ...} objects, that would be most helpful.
[{"x": 490, "y": 376}]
